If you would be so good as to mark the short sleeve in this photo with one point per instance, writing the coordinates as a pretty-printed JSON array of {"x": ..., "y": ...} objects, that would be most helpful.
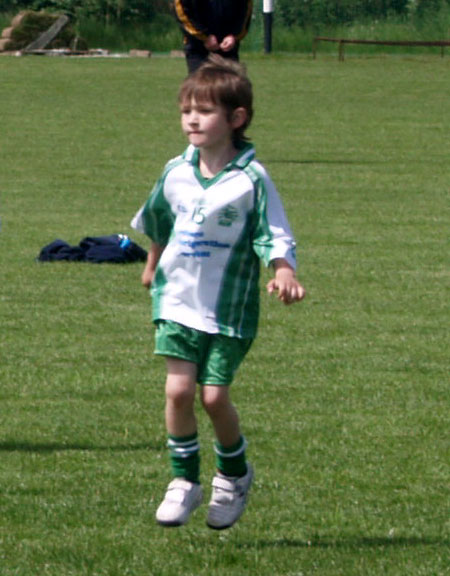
[
  {"x": 155, "y": 218},
  {"x": 272, "y": 234}
]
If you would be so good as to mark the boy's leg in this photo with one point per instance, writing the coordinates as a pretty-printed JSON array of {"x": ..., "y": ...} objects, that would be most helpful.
[
  {"x": 181, "y": 423},
  {"x": 180, "y": 396},
  {"x": 184, "y": 493},
  {"x": 230, "y": 445},
  {"x": 216, "y": 374},
  {"x": 233, "y": 479}
]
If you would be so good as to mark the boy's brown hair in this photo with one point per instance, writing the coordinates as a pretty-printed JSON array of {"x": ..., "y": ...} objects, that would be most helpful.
[{"x": 224, "y": 83}]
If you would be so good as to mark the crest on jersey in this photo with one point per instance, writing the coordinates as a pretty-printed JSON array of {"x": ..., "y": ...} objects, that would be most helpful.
[{"x": 227, "y": 215}]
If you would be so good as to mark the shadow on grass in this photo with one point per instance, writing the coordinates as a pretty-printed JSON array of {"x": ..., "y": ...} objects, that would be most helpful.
[
  {"x": 356, "y": 542},
  {"x": 45, "y": 448}
]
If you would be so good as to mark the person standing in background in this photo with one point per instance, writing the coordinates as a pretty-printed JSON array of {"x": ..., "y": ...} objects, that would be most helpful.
[{"x": 212, "y": 26}]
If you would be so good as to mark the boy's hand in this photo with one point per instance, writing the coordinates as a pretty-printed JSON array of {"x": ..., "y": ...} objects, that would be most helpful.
[{"x": 285, "y": 283}]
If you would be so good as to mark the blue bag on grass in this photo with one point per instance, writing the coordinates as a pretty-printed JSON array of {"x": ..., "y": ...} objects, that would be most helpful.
[{"x": 115, "y": 249}]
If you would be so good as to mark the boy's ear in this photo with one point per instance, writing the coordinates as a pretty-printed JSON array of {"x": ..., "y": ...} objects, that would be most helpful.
[{"x": 238, "y": 117}]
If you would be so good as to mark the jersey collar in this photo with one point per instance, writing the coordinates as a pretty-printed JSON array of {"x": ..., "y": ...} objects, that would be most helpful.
[{"x": 244, "y": 156}]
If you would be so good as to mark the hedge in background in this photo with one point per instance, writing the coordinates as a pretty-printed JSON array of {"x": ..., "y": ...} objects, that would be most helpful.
[{"x": 28, "y": 25}]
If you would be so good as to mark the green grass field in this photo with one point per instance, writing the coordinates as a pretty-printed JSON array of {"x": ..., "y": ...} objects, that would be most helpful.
[{"x": 344, "y": 398}]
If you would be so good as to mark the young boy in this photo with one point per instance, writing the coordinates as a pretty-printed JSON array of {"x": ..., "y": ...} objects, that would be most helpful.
[{"x": 212, "y": 216}]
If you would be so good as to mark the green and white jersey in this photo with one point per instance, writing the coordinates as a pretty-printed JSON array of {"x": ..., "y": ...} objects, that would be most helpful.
[{"x": 215, "y": 231}]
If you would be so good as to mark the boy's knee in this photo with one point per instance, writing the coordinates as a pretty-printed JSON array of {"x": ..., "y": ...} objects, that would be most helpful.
[
  {"x": 214, "y": 399},
  {"x": 180, "y": 393}
]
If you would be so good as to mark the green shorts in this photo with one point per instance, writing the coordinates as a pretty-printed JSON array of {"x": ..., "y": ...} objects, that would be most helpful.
[{"x": 217, "y": 356}]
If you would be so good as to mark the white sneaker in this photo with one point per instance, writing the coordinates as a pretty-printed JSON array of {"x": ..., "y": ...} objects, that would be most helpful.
[
  {"x": 182, "y": 497},
  {"x": 228, "y": 500}
]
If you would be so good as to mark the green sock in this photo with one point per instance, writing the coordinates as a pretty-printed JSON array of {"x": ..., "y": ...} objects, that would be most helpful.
[
  {"x": 231, "y": 460},
  {"x": 185, "y": 457}
]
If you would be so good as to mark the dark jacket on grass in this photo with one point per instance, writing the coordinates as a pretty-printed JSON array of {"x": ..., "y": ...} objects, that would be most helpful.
[{"x": 116, "y": 249}]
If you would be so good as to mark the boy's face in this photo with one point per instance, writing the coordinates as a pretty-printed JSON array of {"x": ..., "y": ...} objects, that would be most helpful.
[{"x": 206, "y": 124}]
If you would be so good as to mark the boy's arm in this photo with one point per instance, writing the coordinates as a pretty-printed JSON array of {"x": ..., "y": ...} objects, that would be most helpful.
[
  {"x": 153, "y": 256},
  {"x": 285, "y": 283}
]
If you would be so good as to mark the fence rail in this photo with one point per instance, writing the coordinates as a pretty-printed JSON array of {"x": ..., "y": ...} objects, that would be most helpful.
[{"x": 343, "y": 41}]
